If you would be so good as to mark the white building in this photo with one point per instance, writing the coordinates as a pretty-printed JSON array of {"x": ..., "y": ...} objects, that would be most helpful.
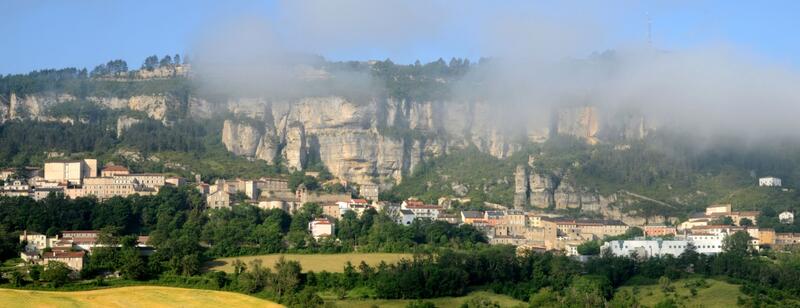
[
  {"x": 705, "y": 244},
  {"x": 786, "y": 217},
  {"x": 321, "y": 227},
  {"x": 769, "y": 181},
  {"x": 70, "y": 171},
  {"x": 405, "y": 217},
  {"x": 421, "y": 210}
]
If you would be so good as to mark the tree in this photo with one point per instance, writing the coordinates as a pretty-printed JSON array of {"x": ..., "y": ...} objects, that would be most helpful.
[
  {"x": 723, "y": 220},
  {"x": 744, "y": 222},
  {"x": 590, "y": 248},
  {"x": 35, "y": 272},
  {"x": 287, "y": 277},
  {"x": 238, "y": 267},
  {"x": 57, "y": 273},
  {"x": 737, "y": 244},
  {"x": 177, "y": 59},
  {"x": 166, "y": 61},
  {"x": 150, "y": 63},
  {"x": 131, "y": 264}
]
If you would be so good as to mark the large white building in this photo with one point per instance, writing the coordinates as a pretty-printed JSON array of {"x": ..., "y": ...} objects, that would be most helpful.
[
  {"x": 769, "y": 181},
  {"x": 70, "y": 171},
  {"x": 644, "y": 248}
]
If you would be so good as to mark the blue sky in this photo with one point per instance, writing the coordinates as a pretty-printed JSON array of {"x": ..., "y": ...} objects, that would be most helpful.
[{"x": 83, "y": 33}]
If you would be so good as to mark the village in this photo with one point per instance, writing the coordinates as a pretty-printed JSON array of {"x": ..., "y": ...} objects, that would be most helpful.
[{"x": 527, "y": 230}]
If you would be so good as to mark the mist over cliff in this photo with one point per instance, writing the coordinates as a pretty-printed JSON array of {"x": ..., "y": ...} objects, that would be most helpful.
[{"x": 539, "y": 62}]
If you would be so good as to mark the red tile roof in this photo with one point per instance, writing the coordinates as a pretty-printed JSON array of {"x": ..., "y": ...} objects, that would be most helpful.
[{"x": 115, "y": 168}]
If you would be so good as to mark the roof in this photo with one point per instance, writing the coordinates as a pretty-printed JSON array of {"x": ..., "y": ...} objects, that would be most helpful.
[
  {"x": 472, "y": 214},
  {"x": 322, "y": 221},
  {"x": 423, "y": 206},
  {"x": 406, "y": 212},
  {"x": 115, "y": 168},
  {"x": 585, "y": 222},
  {"x": 80, "y": 231},
  {"x": 495, "y": 213},
  {"x": 414, "y": 202},
  {"x": 63, "y": 254},
  {"x": 359, "y": 201}
]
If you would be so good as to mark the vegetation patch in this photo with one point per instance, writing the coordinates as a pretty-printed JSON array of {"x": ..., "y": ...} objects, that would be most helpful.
[{"x": 315, "y": 262}]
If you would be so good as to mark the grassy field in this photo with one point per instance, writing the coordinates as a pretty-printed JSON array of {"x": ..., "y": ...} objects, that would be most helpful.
[
  {"x": 315, "y": 262},
  {"x": 130, "y": 297},
  {"x": 717, "y": 294},
  {"x": 444, "y": 302}
]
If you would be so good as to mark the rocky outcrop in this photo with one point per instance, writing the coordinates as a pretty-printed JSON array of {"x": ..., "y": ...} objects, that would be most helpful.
[
  {"x": 295, "y": 151},
  {"x": 155, "y": 106},
  {"x": 125, "y": 122},
  {"x": 30, "y": 106},
  {"x": 582, "y": 122},
  {"x": 240, "y": 138}
]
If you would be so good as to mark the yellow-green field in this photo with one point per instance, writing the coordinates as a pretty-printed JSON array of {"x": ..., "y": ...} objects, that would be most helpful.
[
  {"x": 315, "y": 262},
  {"x": 718, "y": 294},
  {"x": 143, "y": 296},
  {"x": 444, "y": 302}
]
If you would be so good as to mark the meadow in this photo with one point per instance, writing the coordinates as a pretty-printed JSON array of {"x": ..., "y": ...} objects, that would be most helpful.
[
  {"x": 715, "y": 293},
  {"x": 139, "y": 296},
  {"x": 314, "y": 262},
  {"x": 444, "y": 302}
]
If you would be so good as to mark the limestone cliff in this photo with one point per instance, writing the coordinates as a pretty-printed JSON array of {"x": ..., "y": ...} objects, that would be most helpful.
[{"x": 155, "y": 106}]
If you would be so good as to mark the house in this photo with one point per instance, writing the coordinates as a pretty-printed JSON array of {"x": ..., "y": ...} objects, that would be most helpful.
[
  {"x": 332, "y": 210},
  {"x": 369, "y": 191},
  {"x": 70, "y": 171},
  {"x": 42, "y": 192},
  {"x": 176, "y": 181},
  {"x": 737, "y": 216},
  {"x": 405, "y": 217},
  {"x": 35, "y": 241},
  {"x": 718, "y": 208},
  {"x": 420, "y": 209},
  {"x": 219, "y": 199},
  {"x": 469, "y": 217},
  {"x": 786, "y": 217},
  {"x": 598, "y": 228},
  {"x": 321, "y": 227},
  {"x": 786, "y": 239},
  {"x": 7, "y": 173},
  {"x": 493, "y": 217},
  {"x": 113, "y": 170},
  {"x": 272, "y": 184},
  {"x": 659, "y": 230},
  {"x": 449, "y": 218},
  {"x": 75, "y": 260},
  {"x": 769, "y": 181},
  {"x": 16, "y": 188}
]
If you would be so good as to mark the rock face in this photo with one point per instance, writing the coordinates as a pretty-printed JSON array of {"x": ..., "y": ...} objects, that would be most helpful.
[
  {"x": 155, "y": 106},
  {"x": 123, "y": 123},
  {"x": 364, "y": 143},
  {"x": 29, "y": 106},
  {"x": 239, "y": 138},
  {"x": 582, "y": 122}
]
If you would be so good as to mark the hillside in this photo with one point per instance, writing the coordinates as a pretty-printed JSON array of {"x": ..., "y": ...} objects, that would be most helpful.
[{"x": 411, "y": 135}]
